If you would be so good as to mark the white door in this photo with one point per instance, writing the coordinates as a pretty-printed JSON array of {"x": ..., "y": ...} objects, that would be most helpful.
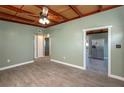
[{"x": 38, "y": 46}]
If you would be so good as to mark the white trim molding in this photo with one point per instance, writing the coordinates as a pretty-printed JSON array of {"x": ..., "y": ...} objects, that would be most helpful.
[
  {"x": 109, "y": 50},
  {"x": 96, "y": 28},
  {"x": 109, "y": 45},
  {"x": 116, "y": 77},
  {"x": 65, "y": 63},
  {"x": 16, "y": 65}
]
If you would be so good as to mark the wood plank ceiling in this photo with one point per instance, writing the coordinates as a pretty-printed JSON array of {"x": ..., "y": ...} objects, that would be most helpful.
[{"x": 29, "y": 14}]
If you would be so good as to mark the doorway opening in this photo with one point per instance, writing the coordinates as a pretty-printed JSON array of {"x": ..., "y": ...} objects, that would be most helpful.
[
  {"x": 38, "y": 46},
  {"x": 41, "y": 45},
  {"x": 97, "y": 50},
  {"x": 46, "y": 46}
]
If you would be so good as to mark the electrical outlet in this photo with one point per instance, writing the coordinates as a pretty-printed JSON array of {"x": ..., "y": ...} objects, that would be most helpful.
[{"x": 8, "y": 60}]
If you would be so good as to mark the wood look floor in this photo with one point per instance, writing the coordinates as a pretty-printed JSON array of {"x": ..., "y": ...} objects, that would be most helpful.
[
  {"x": 43, "y": 73},
  {"x": 98, "y": 66}
]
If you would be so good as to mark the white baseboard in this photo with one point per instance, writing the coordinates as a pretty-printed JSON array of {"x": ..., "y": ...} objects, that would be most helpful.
[
  {"x": 116, "y": 77},
  {"x": 57, "y": 61},
  {"x": 64, "y": 63},
  {"x": 39, "y": 57},
  {"x": 16, "y": 65}
]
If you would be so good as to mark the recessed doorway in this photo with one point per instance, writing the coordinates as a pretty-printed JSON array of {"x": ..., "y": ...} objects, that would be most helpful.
[
  {"x": 46, "y": 46},
  {"x": 97, "y": 50}
]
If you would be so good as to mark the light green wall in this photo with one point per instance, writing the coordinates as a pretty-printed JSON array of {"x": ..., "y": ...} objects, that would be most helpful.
[
  {"x": 16, "y": 43},
  {"x": 16, "y": 40},
  {"x": 67, "y": 38}
]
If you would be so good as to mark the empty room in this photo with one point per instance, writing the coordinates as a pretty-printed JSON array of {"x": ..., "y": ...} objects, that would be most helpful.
[{"x": 61, "y": 46}]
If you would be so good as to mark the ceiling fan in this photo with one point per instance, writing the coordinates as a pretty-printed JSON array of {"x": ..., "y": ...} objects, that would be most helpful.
[{"x": 44, "y": 16}]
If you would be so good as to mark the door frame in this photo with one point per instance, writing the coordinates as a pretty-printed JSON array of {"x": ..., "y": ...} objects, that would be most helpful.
[
  {"x": 109, "y": 45},
  {"x": 35, "y": 46}
]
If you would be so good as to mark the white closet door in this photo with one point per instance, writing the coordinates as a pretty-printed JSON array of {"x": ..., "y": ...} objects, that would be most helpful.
[{"x": 39, "y": 46}]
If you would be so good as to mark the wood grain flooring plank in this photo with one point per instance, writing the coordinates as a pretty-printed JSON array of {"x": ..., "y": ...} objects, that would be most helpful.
[{"x": 43, "y": 73}]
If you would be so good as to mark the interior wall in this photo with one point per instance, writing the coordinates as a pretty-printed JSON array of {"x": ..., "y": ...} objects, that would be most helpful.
[
  {"x": 16, "y": 43},
  {"x": 67, "y": 38}
]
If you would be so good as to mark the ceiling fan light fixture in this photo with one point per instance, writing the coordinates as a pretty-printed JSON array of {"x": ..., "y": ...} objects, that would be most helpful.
[
  {"x": 44, "y": 16},
  {"x": 47, "y": 21},
  {"x": 44, "y": 20},
  {"x": 41, "y": 21}
]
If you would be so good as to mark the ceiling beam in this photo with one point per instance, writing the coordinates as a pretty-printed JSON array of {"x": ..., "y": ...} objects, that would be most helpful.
[
  {"x": 5, "y": 16},
  {"x": 20, "y": 22},
  {"x": 63, "y": 21},
  {"x": 20, "y": 9},
  {"x": 114, "y": 6},
  {"x": 15, "y": 9},
  {"x": 13, "y": 17},
  {"x": 51, "y": 11},
  {"x": 55, "y": 13},
  {"x": 75, "y": 10},
  {"x": 53, "y": 21},
  {"x": 100, "y": 8},
  {"x": 94, "y": 12}
]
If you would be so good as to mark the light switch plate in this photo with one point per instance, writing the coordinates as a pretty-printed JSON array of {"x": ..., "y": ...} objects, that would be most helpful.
[{"x": 118, "y": 45}]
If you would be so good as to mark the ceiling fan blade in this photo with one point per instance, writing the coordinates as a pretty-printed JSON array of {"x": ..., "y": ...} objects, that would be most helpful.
[{"x": 45, "y": 11}]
